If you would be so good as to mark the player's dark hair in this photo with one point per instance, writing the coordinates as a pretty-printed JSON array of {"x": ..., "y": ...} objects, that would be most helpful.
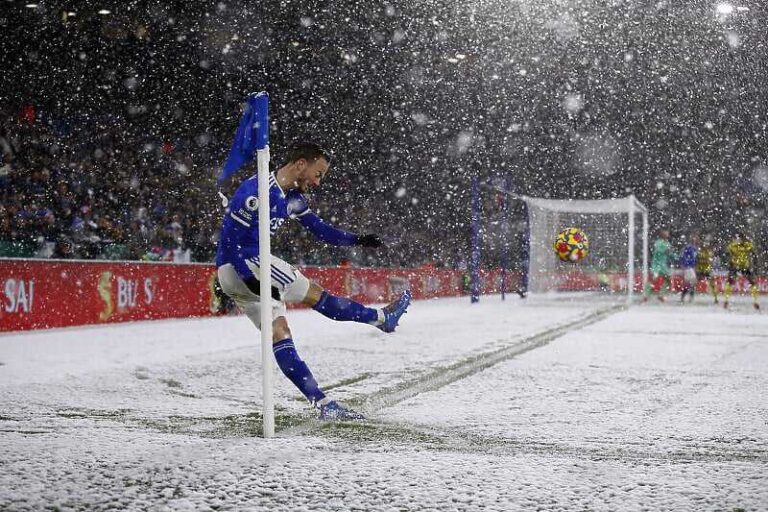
[{"x": 308, "y": 151}]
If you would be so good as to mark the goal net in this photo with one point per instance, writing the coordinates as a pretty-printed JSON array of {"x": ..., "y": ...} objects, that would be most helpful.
[{"x": 618, "y": 245}]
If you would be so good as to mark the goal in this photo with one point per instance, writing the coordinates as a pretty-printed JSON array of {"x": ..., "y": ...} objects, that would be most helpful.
[{"x": 617, "y": 229}]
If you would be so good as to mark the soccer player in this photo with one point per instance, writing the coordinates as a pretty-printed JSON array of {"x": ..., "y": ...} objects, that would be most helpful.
[
  {"x": 704, "y": 258},
  {"x": 661, "y": 255},
  {"x": 237, "y": 260},
  {"x": 688, "y": 264},
  {"x": 740, "y": 252}
]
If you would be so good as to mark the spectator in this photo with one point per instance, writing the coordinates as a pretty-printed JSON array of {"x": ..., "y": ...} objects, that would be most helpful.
[{"x": 64, "y": 249}]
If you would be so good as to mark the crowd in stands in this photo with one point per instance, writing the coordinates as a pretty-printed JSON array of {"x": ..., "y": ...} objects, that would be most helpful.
[
  {"x": 76, "y": 196},
  {"x": 67, "y": 194}
]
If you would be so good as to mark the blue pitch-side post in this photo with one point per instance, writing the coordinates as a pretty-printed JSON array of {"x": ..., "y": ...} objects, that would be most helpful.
[
  {"x": 474, "y": 257},
  {"x": 261, "y": 132},
  {"x": 514, "y": 189},
  {"x": 526, "y": 263},
  {"x": 504, "y": 240}
]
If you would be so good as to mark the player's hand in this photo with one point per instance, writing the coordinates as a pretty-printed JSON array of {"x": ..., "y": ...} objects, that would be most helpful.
[{"x": 370, "y": 240}]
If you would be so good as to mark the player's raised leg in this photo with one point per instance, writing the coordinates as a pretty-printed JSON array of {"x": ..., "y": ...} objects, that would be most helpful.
[
  {"x": 347, "y": 310},
  {"x": 295, "y": 287}
]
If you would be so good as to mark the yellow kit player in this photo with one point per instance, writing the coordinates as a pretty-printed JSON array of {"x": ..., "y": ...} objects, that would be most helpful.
[
  {"x": 704, "y": 258},
  {"x": 740, "y": 251}
]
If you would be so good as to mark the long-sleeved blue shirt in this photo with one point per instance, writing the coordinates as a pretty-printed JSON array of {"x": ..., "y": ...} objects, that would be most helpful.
[
  {"x": 239, "y": 239},
  {"x": 688, "y": 256}
]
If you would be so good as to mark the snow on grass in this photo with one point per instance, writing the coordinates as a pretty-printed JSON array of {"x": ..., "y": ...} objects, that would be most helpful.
[{"x": 658, "y": 407}]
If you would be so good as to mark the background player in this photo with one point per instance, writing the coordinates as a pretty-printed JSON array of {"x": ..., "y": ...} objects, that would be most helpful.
[
  {"x": 237, "y": 260},
  {"x": 740, "y": 252},
  {"x": 661, "y": 255},
  {"x": 688, "y": 264},
  {"x": 704, "y": 259}
]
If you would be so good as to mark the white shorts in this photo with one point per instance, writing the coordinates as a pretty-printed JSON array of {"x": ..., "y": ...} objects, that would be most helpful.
[
  {"x": 689, "y": 275},
  {"x": 291, "y": 286}
]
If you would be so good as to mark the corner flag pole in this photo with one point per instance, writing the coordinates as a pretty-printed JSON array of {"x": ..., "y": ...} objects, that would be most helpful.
[
  {"x": 631, "y": 250},
  {"x": 261, "y": 129}
]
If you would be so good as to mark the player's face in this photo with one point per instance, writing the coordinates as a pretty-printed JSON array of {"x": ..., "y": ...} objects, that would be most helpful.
[{"x": 312, "y": 174}]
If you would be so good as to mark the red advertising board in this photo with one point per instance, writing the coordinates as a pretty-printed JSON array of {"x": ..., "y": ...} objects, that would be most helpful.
[
  {"x": 42, "y": 294},
  {"x": 39, "y": 294}
]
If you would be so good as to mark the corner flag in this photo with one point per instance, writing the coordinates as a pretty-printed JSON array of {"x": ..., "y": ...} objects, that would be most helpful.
[{"x": 252, "y": 134}]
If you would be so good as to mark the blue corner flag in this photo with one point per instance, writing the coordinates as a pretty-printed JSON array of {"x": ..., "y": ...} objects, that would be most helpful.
[{"x": 251, "y": 135}]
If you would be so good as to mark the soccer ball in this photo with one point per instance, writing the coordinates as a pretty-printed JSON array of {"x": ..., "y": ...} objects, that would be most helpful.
[{"x": 571, "y": 245}]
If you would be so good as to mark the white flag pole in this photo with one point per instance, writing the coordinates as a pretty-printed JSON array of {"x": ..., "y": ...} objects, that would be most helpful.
[
  {"x": 261, "y": 128},
  {"x": 631, "y": 251}
]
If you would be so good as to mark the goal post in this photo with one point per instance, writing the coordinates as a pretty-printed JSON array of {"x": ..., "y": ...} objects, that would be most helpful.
[{"x": 618, "y": 245}]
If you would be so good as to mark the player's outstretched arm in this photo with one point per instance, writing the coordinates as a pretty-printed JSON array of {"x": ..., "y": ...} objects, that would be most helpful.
[{"x": 333, "y": 235}]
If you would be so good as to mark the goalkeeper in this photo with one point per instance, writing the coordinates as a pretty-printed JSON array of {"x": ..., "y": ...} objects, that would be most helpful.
[
  {"x": 661, "y": 256},
  {"x": 740, "y": 252}
]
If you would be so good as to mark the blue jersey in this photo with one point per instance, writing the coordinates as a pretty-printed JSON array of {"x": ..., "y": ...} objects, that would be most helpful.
[
  {"x": 239, "y": 240},
  {"x": 688, "y": 256}
]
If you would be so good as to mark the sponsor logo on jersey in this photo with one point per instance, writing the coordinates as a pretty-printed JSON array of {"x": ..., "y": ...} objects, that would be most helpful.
[
  {"x": 274, "y": 224},
  {"x": 252, "y": 203}
]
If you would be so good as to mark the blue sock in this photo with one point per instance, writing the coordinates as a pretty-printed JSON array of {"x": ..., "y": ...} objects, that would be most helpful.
[
  {"x": 297, "y": 370},
  {"x": 345, "y": 310}
]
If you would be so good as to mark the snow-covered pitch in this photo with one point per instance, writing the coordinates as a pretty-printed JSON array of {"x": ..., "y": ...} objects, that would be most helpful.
[{"x": 519, "y": 405}]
